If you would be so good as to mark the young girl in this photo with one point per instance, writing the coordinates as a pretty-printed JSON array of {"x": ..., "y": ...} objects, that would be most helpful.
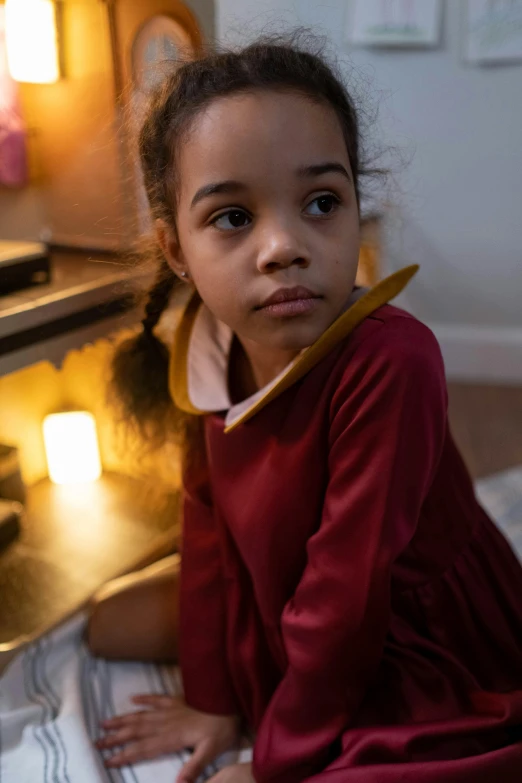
[{"x": 341, "y": 590}]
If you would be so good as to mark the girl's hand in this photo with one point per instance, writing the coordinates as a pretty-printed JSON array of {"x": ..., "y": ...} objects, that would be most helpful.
[
  {"x": 235, "y": 773},
  {"x": 169, "y": 726}
]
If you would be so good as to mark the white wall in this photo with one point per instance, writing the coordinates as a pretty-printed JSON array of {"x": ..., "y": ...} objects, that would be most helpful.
[{"x": 458, "y": 207}]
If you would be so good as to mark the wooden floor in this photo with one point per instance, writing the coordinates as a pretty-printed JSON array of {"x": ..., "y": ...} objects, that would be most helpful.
[{"x": 487, "y": 424}]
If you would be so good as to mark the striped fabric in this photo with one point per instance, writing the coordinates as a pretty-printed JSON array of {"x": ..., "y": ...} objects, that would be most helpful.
[
  {"x": 52, "y": 699},
  {"x": 54, "y": 694}
]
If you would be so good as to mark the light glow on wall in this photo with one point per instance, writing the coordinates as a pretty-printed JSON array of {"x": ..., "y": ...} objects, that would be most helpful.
[
  {"x": 32, "y": 41},
  {"x": 71, "y": 447}
]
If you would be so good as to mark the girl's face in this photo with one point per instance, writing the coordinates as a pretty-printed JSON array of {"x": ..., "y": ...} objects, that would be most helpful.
[{"x": 267, "y": 207}]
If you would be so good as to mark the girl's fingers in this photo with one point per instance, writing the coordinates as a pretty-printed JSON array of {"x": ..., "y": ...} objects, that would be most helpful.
[
  {"x": 203, "y": 754},
  {"x": 142, "y": 750},
  {"x": 139, "y": 718},
  {"x": 112, "y": 724},
  {"x": 159, "y": 701},
  {"x": 117, "y": 738}
]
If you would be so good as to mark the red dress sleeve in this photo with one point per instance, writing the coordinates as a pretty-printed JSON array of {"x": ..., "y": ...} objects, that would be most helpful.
[
  {"x": 202, "y": 626},
  {"x": 388, "y": 420}
]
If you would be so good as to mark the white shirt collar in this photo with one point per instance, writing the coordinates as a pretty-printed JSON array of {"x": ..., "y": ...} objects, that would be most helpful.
[{"x": 207, "y": 365}]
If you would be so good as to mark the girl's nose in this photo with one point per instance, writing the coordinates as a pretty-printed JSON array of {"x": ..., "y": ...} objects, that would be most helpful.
[{"x": 280, "y": 249}]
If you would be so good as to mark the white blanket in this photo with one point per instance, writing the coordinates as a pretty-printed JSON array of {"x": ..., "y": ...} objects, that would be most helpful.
[
  {"x": 54, "y": 694},
  {"x": 52, "y": 699}
]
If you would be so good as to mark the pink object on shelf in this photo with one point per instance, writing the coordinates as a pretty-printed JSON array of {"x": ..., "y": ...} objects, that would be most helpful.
[{"x": 13, "y": 140}]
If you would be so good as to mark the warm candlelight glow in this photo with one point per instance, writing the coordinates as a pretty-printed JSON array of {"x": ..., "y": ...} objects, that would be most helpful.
[
  {"x": 71, "y": 447},
  {"x": 31, "y": 41}
]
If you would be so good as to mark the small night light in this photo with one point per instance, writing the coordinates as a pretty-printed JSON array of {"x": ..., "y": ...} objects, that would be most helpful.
[{"x": 71, "y": 447}]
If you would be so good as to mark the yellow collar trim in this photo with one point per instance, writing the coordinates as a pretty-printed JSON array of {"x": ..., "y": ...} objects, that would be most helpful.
[{"x": 376, "y": 297}]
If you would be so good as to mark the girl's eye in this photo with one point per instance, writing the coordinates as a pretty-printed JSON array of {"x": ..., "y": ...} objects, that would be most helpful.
[
  {"x": 323, "y": 205},
  {"x": 228, "y": 221}
]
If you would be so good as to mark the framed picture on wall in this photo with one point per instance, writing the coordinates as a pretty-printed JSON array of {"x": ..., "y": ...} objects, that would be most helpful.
[
  {"x": 494, "y": 31},
  {"x": 400, "y": 23},
  {"x": 160, "y": 44}
]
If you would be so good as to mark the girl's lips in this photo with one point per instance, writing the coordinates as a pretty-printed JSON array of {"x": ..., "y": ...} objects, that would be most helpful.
[
  {"x": 288, "y": 295},
  {"x": 289, "y": 302},
  {"x": 290, "y": 308}
]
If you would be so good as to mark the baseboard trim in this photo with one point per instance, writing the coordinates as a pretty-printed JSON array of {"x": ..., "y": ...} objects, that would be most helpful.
[{"x": 481, "y": 354}]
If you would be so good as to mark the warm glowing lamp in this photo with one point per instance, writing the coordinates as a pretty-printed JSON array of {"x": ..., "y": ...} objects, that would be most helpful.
[
  {"x": 71, "y": 447},
  {"x": 32, "y": 41}
]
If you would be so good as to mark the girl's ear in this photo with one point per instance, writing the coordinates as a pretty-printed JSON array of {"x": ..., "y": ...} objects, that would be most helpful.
[{"x": 171, "y": 250}]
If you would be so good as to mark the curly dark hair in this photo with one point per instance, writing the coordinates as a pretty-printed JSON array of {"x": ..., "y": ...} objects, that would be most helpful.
[{"x": 140, "y": 367}]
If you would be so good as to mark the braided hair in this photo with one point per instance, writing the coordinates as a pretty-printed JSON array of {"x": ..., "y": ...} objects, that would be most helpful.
[{"x": 140, "y": 367}]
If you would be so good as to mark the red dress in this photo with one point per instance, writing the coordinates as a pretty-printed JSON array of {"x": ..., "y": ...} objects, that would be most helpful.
[{"x": 342, "y": 588}]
